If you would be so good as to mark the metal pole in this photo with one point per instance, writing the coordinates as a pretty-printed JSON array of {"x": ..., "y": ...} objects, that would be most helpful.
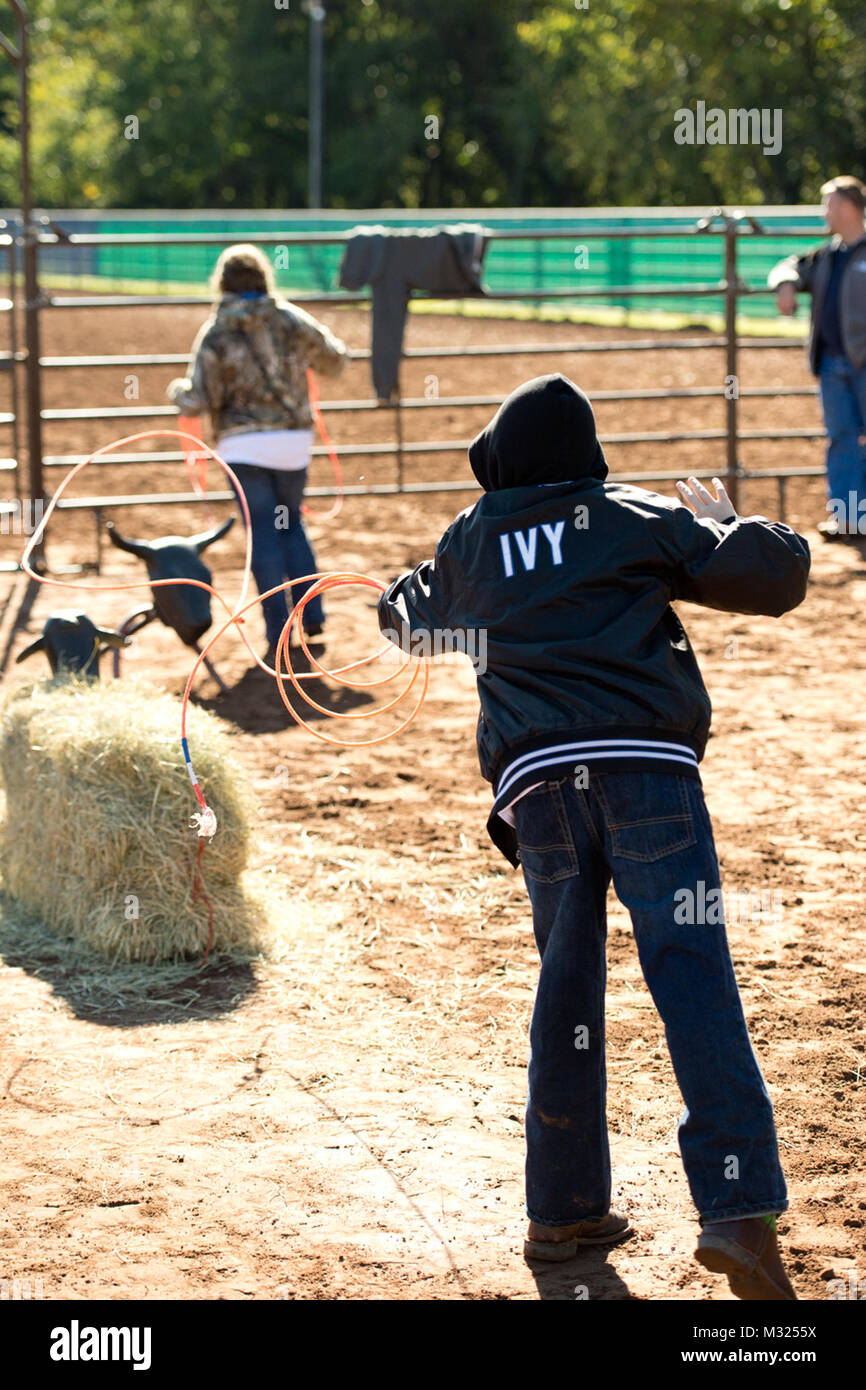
[
  {"x": 13, "y": 369},
  {"x": 98, "y": 517},
  {"x": 316, "y": 12},
  {"x": 30, "y": 236},
  {"x": 732, "y": 380},
  {"x": 398, "y": 421}
]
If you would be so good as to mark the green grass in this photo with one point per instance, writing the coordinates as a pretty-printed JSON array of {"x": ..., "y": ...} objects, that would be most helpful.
[{"x": 775, "y": 327}]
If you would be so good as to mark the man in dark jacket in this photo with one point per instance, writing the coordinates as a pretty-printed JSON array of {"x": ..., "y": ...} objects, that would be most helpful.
[
  {"x": 835, "y": 276},
  {"x": 593, "y": 721}
]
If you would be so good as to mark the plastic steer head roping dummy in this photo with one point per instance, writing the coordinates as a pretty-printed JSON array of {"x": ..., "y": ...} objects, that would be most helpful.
[
  {"x": 72, "y": 642},
  {"x": 183, "y": 607}
]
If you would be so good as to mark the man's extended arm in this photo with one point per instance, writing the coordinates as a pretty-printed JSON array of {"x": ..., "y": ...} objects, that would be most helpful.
[{"x": 790, "y": 275}]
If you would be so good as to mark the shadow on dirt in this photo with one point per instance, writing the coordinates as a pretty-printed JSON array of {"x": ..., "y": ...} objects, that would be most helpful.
[
  {"x": 586, "y": 1278},
  {"x": 122, "y": 995},
  {"x": 254, "y": 704}
]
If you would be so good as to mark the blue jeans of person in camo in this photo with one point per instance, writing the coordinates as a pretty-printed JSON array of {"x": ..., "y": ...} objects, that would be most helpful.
[{"x": 281, "y": 547}]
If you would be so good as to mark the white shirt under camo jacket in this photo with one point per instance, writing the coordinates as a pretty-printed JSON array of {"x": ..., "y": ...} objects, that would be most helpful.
[{"x": 249, "y": 362}]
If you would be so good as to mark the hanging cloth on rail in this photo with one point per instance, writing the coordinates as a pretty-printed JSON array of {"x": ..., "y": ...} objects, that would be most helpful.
[{"x": 445, "y": 261}]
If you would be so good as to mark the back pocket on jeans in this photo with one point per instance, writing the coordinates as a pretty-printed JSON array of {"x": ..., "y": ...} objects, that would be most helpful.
[
  {"x": 647, "y": 821},
  {"x": 545, "y": 841}
]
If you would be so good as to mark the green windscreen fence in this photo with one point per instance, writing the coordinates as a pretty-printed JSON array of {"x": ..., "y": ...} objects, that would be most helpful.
[{"x": 523, "y": 265}]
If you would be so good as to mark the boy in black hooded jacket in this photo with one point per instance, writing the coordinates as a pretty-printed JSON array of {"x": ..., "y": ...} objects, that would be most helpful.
[{"x": 593, "y": 721}]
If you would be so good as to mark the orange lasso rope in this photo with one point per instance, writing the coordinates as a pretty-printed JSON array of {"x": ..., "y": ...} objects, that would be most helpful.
[
  {"x": 319, "y": 584},
  {"x": 336, "y": 508}
]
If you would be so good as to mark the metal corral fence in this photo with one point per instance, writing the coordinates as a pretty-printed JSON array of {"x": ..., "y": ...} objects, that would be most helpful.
[
  {"x": 147, "y": 263},
  {"x": 713, "y": 239}
]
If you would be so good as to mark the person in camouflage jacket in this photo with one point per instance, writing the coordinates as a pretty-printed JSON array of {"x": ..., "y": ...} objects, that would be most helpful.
[
  {"x": 248, "y": 367},
  {"x": 248, "y": 371}
]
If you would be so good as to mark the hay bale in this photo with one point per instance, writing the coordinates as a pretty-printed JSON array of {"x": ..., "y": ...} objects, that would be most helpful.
[{"x": 96, "y": 840}]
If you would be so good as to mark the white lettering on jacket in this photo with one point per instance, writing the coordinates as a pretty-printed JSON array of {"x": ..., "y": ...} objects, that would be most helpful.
[
  {"x": 527, "y": 546},
  {"x": 554, "y": 537},
  {"x": 506, "y": 555}
]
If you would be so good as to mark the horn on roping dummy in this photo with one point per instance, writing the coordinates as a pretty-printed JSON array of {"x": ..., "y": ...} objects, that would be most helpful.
[
  {"x": 142, "y": 549},
  {"x": 206, "y": 538}
]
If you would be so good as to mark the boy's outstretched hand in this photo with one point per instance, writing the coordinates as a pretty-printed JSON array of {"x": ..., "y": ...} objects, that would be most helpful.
[{"x": 703, "y": 503}]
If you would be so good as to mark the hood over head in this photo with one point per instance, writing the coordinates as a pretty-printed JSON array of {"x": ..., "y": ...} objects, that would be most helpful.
[
  {"x": 544, "y": 432},
  {"x": 240, "y": 311}
]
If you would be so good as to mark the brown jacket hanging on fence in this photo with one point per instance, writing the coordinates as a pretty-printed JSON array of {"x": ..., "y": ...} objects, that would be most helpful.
[{"x": 249, "y": 363}]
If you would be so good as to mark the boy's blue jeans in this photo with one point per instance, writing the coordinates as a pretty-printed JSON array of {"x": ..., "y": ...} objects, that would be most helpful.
[
  {"x": 281, "y": 547},
  {"x": 843, "y": 400},
  {"x": 651, "y": 833}
]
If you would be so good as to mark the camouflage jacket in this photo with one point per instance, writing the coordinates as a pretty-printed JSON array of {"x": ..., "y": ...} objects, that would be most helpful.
[{"x": 248, "y": 366}]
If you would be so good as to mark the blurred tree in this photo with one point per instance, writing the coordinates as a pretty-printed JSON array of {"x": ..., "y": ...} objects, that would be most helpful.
[
  {"x": 618, "y": 74},
  {"x": 203, "y": 103}
]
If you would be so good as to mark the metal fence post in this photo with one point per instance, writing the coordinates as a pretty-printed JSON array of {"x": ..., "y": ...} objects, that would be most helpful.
[
  {"x": 13, "y": 368},
  {"x": 20, "y": 56},
  {"x": 732, "y": 385},
  {"x": 32, "y": 368},
  {"x": 398, "y": 421},
  {"x": 98, "y": 517}
]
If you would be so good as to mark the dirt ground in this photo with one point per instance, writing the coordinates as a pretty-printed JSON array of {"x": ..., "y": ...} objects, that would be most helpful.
[{"x": 344, "y": 1120}]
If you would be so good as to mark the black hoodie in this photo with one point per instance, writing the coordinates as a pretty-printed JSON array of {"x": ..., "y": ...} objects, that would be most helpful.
[
  {"x": 544, "y": 432},
  {"x": 561, "y": 583}
]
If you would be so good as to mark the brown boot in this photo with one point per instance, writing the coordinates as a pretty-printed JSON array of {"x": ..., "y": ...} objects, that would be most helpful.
[
  {"x": 563, "y": 1242},
  {"x": 748, "y": 1252}
]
